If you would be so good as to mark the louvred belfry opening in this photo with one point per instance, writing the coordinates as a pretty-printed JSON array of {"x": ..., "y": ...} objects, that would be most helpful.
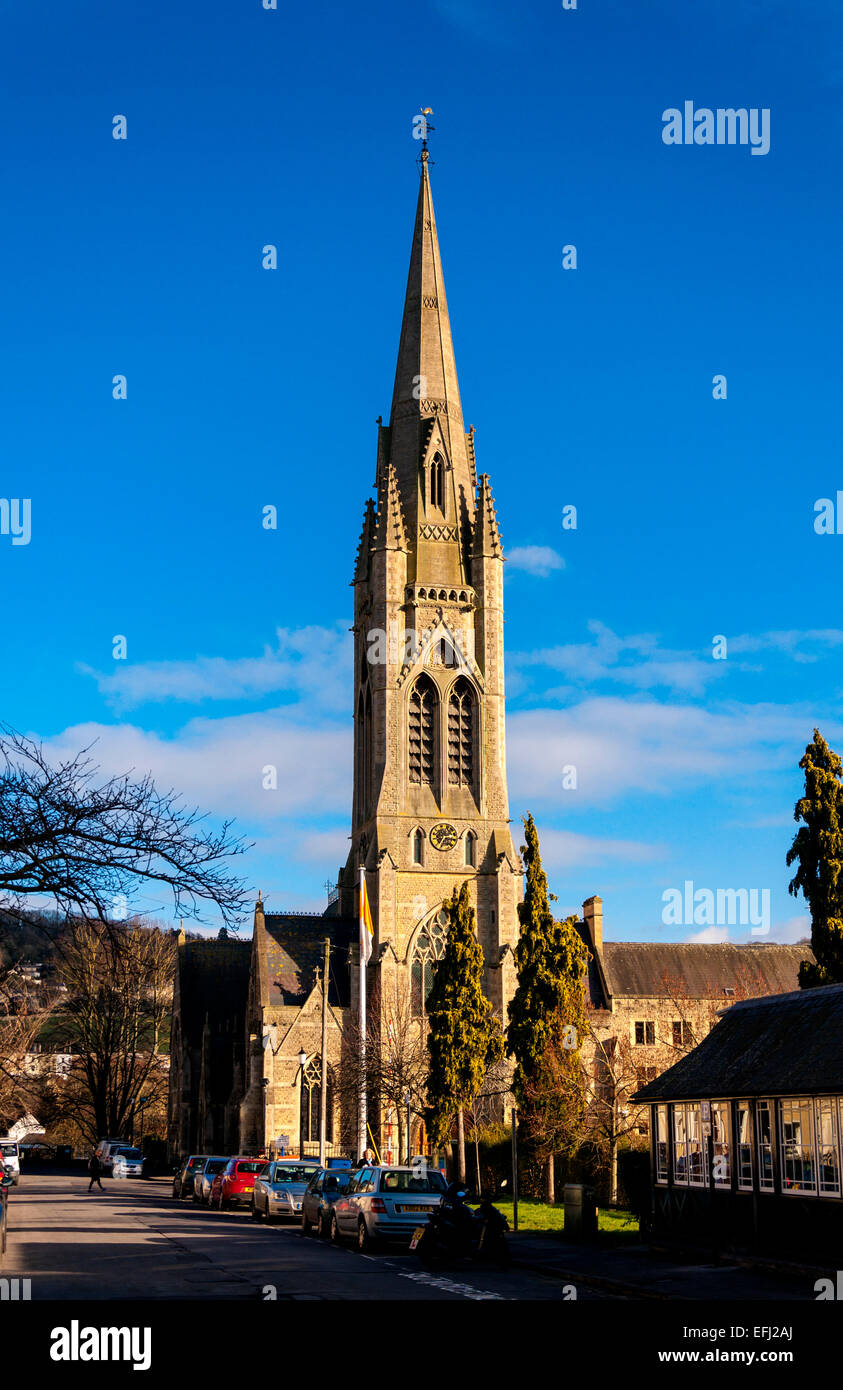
[
  {"x": 461, "y": 735},
  {"x": 422, "y": 732}
]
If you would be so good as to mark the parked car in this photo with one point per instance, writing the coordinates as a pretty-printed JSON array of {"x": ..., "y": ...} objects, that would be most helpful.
[
  {"x": 183, "y": 1181},
  {"x": 235, "y": 1183},
  {"x": 203, "y": 1178},
  {"x": 10, "y": 1159},
  {"x": 126, "y": 1162},
  {"x": 324, "y": 1189},
  {"x": 385, "y": 1204},
  {"x": 280, "y": 1187}
]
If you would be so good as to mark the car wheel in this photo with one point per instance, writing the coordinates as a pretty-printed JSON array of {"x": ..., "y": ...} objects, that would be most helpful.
[
  {"x": 175, "y": 1191},
  {"x": 324, "y": 1227},
  {"x": 256, "y": 1216},
  {"x": 307, "y": 1226},
  {"x": 335, "y": 1229},
  {"x": 364, "y": 1240}
]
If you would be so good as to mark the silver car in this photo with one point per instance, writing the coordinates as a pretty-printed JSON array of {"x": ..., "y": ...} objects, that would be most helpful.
[
  {"x": 386, "y": 1204},
  {"x": 204, "y": 1177},
  {"x": 280, "y": 1187},
  {"x": 126, "y": 1162}
]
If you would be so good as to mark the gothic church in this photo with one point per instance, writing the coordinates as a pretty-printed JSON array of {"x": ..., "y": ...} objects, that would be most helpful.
[{"x": 430, "y": 806}]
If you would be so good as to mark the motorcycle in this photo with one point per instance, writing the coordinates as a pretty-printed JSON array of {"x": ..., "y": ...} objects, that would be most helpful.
[{"x": 455, "y": 1232}]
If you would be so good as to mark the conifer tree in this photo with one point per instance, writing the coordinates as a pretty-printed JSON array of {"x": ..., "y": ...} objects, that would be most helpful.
[
  {"x": 547, "y": 1019},
  {"x": 818, "y": 849},
  {"x": 465, "y": 1036}
]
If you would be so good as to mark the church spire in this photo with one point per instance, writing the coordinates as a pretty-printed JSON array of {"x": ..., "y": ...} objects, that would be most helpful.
[
  {"x": 426, "y": 391},
  {"x": 426, "y": 372}
]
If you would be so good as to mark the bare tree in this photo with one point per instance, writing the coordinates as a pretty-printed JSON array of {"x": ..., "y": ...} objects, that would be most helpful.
[
  {"x": 24, "y": 1010},
  {"x": 396, "y": 1061},
  {"x": 611, "y": 1116},
  {"x": 68, "y": 835},
  {"x": 119, "y": 982}
]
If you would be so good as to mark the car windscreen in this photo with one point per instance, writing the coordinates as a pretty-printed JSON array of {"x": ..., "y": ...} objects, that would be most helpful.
[
  {"x": 9, "y": 1150},
  {"x": 250, "y": 1166},
  {"x": 215, "y": 1165},
  {"x": 291, "y": 1172},
  {"x": 128, "y": 1153},
  {"x": 403, "y": 1181},
  {"x": 196, "y": 1161}
]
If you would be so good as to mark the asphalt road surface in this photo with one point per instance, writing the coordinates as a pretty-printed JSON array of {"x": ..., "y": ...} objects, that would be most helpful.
[{"x": 135, "y": 1242}]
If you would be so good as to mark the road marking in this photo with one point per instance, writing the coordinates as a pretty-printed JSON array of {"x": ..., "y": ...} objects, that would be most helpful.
[{"x": 450, "y": 1286}]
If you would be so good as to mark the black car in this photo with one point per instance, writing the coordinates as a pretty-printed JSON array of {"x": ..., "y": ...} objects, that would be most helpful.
[
  {"x": 183, "y": 1180},
  {"x": 322, "y": 1191}
]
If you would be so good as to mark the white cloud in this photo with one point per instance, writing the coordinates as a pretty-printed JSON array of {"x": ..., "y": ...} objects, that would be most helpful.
[
  {"x": 563, "y": 849},
  {"x": 538, "y": 560},
  {"x": 620, "y": 747},
  {"x": 785, "y": 933},
  {"x": 328, "y": 847},
  {"x": 639, "y": 662},
  {"x": 312, "y": 662},
  {"x": 218, "y": 764}
]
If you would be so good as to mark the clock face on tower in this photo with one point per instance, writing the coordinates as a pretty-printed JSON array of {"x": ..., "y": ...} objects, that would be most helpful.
[{"x": 443, "y": 836}]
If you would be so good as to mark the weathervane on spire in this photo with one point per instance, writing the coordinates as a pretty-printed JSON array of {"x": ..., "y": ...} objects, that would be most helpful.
[{"x": 421, "y": 130}]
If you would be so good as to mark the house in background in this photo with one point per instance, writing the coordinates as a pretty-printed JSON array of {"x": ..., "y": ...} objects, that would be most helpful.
[{"x": 746, "y": 1130}]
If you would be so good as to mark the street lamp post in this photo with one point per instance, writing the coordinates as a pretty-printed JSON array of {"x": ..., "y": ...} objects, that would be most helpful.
[{"x": 302, "y": 1065}]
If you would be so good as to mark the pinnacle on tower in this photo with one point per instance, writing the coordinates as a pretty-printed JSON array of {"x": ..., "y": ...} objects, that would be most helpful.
[
  {"x": 390, "y": 531},
  {"x": 367, "y": 535},
  {"x": 487, "y": 536}
]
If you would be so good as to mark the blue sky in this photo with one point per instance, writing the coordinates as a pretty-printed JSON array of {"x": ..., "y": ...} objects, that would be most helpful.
[{"x": 590, "y": 387}]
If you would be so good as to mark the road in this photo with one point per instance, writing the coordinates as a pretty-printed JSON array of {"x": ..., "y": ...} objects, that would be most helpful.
[{"x": 135, "y": 1242}]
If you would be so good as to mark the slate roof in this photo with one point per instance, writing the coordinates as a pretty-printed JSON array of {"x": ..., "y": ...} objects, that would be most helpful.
[
  {"x": 294, "y": 948},
  {"x": 786, "y": 1044},
  {"x": 213, "y": 980},
  {"x": 700, "y": 969}
]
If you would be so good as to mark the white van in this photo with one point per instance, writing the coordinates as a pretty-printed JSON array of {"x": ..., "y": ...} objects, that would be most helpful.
[
  {"x": 106, "y": 1149},
  {"x": 10, "y": 1158}
]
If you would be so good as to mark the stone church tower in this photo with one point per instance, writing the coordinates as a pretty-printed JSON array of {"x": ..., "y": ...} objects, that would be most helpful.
[{"x": 430, "y": 797}]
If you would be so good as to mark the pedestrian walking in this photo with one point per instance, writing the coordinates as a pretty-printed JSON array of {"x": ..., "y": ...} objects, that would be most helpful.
[{"x": 95, "y": 1168}]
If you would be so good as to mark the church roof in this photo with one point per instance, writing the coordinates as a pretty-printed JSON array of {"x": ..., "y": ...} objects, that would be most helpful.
[
  {"x": 294, "y": 952},
  {"x": 697, "y": 969},
  {"x": 786, "y": 1044},
  {"x": 213, "y": 982}
]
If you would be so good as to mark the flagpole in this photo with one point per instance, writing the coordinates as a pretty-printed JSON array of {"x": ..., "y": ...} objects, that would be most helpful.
[{"x": 362, "y": 1142}]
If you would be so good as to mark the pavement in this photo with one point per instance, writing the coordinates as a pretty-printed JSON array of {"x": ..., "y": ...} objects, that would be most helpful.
[
  {"x": 637, "y": 1271},
  {"x": 134, "y": 1241}
]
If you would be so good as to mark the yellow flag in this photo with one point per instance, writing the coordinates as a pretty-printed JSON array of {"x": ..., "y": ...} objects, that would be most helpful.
[{"x": 367, "y": 931}]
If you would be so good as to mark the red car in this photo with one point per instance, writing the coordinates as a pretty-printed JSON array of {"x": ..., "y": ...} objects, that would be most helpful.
[{"x": 236, "y": 1183}]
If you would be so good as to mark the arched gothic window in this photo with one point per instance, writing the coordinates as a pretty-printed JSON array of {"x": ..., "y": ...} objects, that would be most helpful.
[
  {"x": 470, "y": 853},
  {"x": 422, "y": 732},
  {"x": 430, "y": 946},
  {"x": 461, "y": 734},
  {"x": 311, "y": 1095},
  {"x": 418, "y": 845}
]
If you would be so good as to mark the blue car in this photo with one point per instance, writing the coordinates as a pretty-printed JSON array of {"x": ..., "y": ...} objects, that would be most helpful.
[{"x": 323, "y": 1190}]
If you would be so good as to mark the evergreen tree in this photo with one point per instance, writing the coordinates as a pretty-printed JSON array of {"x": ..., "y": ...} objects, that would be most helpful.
[
  {"x": 547, "y": 1019},
  {"x": 818, "y": 849},
  {"x": 465, "y": 1037}
]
